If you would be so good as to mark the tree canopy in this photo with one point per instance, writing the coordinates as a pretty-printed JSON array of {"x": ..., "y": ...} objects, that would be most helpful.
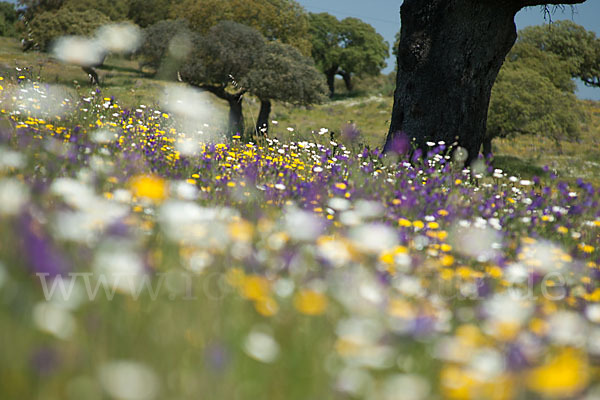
[
  {"x": 284, "y": 74},
  {"x": 524, "y": 101},
  {"x": 49, "y": 25},
  {"x": 116, "y": 10},
  {"x": 161, "y": 39},
  {"x": 574, "y": 44},
  {"x": 8, "y": 18},
  {"x": 232, "y": 60},
  {"x": 147, "y": 12},
  {"x": 283, "y": 20},
  {"x": 346, "y": 47}
]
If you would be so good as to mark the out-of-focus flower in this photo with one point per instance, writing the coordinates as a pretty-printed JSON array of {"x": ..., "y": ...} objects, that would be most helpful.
[
  {"x": 261, "y": 346},
  {"x": 13, "y": 196},
  {"x": 151, "y": 187},
  {"x": 79, "y": 51},
  {"x": 55, "y": 320},
  {"x": 565, "y": 375},
  {"x": 310, "y": 302},
  {"x": 128, "y": 380},
  {"x": 120, "y": 37}
]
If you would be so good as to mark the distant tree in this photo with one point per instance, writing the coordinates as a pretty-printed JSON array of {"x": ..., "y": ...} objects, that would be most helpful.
[
  {"x": 396, "y": 44},
  {"x": 148, "y": 12},
  {"x": 284, "y": 74},
  {"x": 8, "y": 18},
  {"x": 546, "y": 63},
  {"x": 50, "y": 25},
  {"x": 116, "y": 10},
  {"x": 220, "y": 61},
  {"x": 231, "y": 60},
  {"x": 158, "y": 41},
  {"x": 573, "y": 43},
  {"x": 30, "y": 8},
  {"x": 346, "y": 47},
  {"x": 526, "y": 102},
  {"x": 283, "y": 20}
]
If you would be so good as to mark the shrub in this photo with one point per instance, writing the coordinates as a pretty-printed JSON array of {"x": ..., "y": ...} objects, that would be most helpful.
[{"x": 48, "y": 26}]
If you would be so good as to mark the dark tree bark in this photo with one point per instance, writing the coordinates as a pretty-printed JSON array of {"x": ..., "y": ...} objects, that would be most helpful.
[
  {"x": 449, "y": 56},
  {"x": 487, "y": 147},
  {"x": 93, "y": 75},
  {"x": 330, "y": 74},
  {"x": 236, "y": 117},
  {"x": 347, "y": 80},
  {"x": 262, "y": 123}
]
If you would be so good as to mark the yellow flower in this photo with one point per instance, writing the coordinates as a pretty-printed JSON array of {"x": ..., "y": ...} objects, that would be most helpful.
[
  {"x": 418, "y": 224},
  {"x": 404, "y": 222},
  {"x": 387, "y": 258},
  {"x": 433, "y": 225},
  {"x": 341, "y": 186},
  {"x": 445, "y": 247},
  {"x": 447, "y": 260},
  {"x": 241, "y": 231},
  {"x": 460, "y": 384},
  {"x": 565, "y": 375},
  {"x": 149, "y": 186},
  {"x": 255, "y": 287},
  {"x": 310, "y": 302},
  {"x": 266, "y": 306}
]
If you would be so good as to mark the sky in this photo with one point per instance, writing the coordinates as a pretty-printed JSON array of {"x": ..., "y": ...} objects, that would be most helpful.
[{"x": 384, "y": 16}]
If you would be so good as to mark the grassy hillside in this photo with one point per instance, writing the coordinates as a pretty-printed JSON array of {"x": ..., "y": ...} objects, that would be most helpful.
[{"x": 368, "y": 110}]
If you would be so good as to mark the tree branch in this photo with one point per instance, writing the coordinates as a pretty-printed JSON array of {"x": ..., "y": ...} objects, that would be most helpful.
[{"x": 530, "y": 3}]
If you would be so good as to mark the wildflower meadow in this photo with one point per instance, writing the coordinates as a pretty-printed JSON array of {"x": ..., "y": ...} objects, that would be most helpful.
[
  {"x": 140, "y": 261},
  {"x": 147, "y": 254}
]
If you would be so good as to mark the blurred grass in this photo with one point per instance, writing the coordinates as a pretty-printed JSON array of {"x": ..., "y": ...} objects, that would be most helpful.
[{"x": 368, "y": 106}]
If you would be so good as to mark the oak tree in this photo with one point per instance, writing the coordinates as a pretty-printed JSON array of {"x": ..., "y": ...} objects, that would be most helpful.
[
  {"x": 345, "y": 48},
  {"x": 449, "y": 55}
]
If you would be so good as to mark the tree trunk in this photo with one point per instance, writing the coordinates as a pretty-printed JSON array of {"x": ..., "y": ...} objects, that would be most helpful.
[
  {"x": 92, "y": 74},
  {"x": 330, "y": 73},
  {"x": 236, "y": 117},
  {"x": 347, "y": 80},
  {"x": 262, "y": 124},
  {"x": 487, "y": 147},
  {"x": 449, "y": 55}
]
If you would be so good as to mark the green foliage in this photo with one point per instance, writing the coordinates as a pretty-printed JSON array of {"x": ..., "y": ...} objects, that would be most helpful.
[
  {"x": 46, "y": 27},
  {"x": 572, "y": 43},
  {"x": 35, "y": 7},
  {"x": 524, "y": 101},
  {"x": 116, "y": 10},
  {"x": 547, "y": 64},
  {"x": 396, "y": 44},
  {"x": 324, "y": 33},
  {"x": 350, "y": 45},
  {"x": 8, "y": 18},
  {"x": 158, "y": 41},
  {"x": 148, "y": 12},
  {"x": 283, "y": 20},
  {"x": 283, "y": 73},
  {"x": 224, "y": 56}
]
